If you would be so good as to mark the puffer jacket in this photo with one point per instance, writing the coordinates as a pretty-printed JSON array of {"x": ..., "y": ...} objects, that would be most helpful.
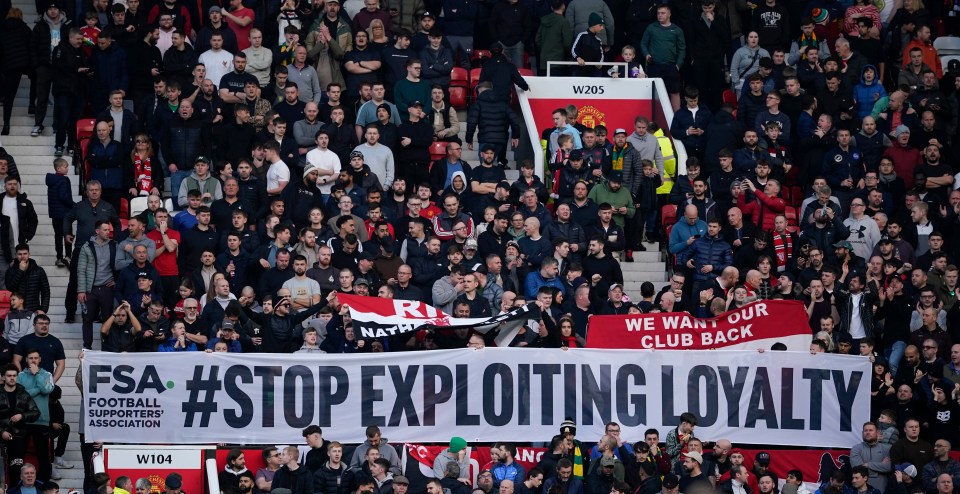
[
  {"x": 326, "y": 480},
  {"x": 14, "y": 45},
  {"x": 24, "y": 405},
  {"x": 866, "y": 95},
  {"x": 40, "y": 39},
  {"x": 567, "y": 178},
  {"x": 713, "y": 251},
  {"x": 32, "y": 284},
  {"x": 59, "y": 195},
  {"x": 27, "y": 225},
  {"x": 299, "y": 200},
  {"x": 278, "y": 331},
  {"x": 763, "y": 210},
  {"x": 496, "y": 115}
]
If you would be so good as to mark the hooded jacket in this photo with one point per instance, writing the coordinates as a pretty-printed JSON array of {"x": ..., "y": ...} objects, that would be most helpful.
[
  {"x": 14, "y": 45},
  {"x": 496, "y": 115},
  {"x": 386, "y": 451},
  {"x": 553, "y": 37},
  {"x": 866, "y": 94},
  {"x": 42, "y": 37}
]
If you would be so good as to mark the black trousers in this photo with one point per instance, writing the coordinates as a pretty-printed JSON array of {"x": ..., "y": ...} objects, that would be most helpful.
[
  {"x": 40, "y": 93},
  {"x": 11, "y": 84}
]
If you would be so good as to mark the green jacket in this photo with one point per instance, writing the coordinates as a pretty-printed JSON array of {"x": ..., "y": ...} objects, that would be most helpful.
[
  {"x": 38, "y": 386},
  {"x": 665, "y": 44},
  {"x": 601, "y": 193},
  {"x": 554, "y": 39}
]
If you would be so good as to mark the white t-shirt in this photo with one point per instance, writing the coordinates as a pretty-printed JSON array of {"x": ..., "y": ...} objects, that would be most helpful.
[
  {"x": 218, "y": 63},
  {"x": 325, "y": 160},
  {"x": 278, "y": 172},
  {"x": 10, "y": 211}
]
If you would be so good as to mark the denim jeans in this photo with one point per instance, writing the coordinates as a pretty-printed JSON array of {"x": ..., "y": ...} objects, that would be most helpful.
[
  {"x": 515, "y": 54},
  {"x": 175, "y": 179},
  {"x": 894, "y": 354}
]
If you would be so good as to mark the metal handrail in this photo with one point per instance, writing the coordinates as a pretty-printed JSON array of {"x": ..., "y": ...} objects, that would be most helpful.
[{"x": 625, "y": 65}]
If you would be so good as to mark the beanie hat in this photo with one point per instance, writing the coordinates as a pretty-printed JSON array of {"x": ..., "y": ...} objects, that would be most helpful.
[
  {"x": 594, "y": 19},
  {"x": 819, "y": 15},
  {"x": 457, "y": 444}
]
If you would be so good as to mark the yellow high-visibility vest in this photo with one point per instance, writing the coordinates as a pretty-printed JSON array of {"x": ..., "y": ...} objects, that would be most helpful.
[{"x": 669, "y": 162}]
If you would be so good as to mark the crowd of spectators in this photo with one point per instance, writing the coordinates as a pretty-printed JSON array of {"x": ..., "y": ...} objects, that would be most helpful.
[{"x": 296, "y": 140}]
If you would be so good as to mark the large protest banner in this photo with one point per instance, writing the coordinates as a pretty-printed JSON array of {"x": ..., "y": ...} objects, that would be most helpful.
[
  {"x": 788, "y": 398},
  {"x": 754, "y": 326}
]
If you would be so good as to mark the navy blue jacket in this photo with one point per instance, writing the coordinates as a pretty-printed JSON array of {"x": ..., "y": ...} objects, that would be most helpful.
[
  {"x": 713, "y": 251},
  {"x": 106, "y": 162},
  {"x": 459, "y": 17},
  {"x": 110, "y": 69},
  {"x": 59, "y": 196}
]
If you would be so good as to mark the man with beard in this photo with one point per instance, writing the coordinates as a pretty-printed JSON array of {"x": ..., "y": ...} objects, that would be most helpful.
[{"x": 304, "y": 291}]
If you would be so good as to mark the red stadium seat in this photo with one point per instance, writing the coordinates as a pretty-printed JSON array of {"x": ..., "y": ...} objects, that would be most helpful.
[
  {"x": 459, "y": 88},
  {"x": 730, "y": 97},
  {"x": 4, "y": 304},
  {"x": 668, "y": 215},
  {"x": 796, "y": 193},
  {"x": 474, "y": 80},
  {"x": 791, "y": 214},
  {"x": 85, "y": 128},
  {"x": 438, "y": 150}
]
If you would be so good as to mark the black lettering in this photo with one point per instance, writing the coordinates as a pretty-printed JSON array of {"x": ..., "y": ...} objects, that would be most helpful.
[
  {"x": 733, "y": 390},
  {"x": 523, "y": 394},
  {"x": 97, "y": 378},
  {"x": 464, "y": 417},
  {"x": 595, "y": 394},
  {"x": 761, "y": 392},
  {"x": 431, "y": 395},
  {"x": 816, "y": 378},
  {"x": 546, "y": 372},
  {"x": 846, "y": 395},
  {"x": 631, "y": 407},
  {"x": 369, "y": 396},
  {"x": 242, "y": 415},
  {"x": 570, "y": 391},
  {"x": 329, "y": 378},
  {"x": 787, "y": 420},
  {"x": 404, "y": 402},
  {"x": 124, "y": 382},
  {"x": 707, "y": 417},
  {"x": 670, "y": 417},
  {"x": 290, "y": 391},
  {"x": 267, "y": 375},
  {"x": 150, "y": 379},
  {"x": 490, "y": 394}
]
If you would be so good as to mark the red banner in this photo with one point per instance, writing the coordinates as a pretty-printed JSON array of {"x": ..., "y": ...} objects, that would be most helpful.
[{"x": 754, "y": 326}]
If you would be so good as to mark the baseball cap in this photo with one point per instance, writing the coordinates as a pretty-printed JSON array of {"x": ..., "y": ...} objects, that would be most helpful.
[
  {"x": 470, "y": 244},
  {"x": 608, "y": 462},
  {"x": 503, "y": 184},
  {"x": 845, "y": 244},
  {"x": 576, "y": 154},
  {"x": 213, "y": 9},
  {"x": 227, "y": 324},
  {"x": 671, "y": 481},
  {"x": 365, "y": 256},
  {"x": 400, "y": 479},
  {"x": 356, "y": 154},
  {"x": 428, "y": 14},
  {"x": 144, "y": 275},
  {"x": 695, "y": 456},
  {"x": 620, "y": 131},
  {"x": 487, "y": 147},
  {"x": 415, "y": 103},
  {"x": 908, "y": 469},
  {"x": 763, "y": 458},
  {"x": 361, "y": 281},
  {"x": 614, "y": 285}
]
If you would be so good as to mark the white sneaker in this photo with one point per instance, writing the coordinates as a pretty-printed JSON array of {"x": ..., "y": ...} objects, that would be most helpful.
[
  {"x": 55, "y": 474},
  {"x": 60, "y": 462}
]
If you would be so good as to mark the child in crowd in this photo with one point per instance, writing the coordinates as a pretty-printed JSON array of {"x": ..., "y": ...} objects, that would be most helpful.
[
  {"x": 90, "y": 32},
  {"x": 59, "y": 202}
]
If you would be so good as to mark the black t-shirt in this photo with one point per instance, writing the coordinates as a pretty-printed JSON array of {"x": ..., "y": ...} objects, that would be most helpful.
[
  {"x": 235, "y": 82},
  {"x": 50, "y": 348},
  {"x": 488, "y": 175}
]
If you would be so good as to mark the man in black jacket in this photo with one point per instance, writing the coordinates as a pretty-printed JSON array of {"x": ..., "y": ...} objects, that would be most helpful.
[
  {"x": 52, "y": 24},
  {"x": 491, "y": 115},
  {"x": 70, "y": 70},
  {"x": 416, "y": 135},
  {"x": 15, "y": 416},
  {"x": 20, "y": 229},
  {"x": 26, "y": 277}
]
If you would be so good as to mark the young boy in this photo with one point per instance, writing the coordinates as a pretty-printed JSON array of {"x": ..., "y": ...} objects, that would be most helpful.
[
  {"x": 19, "y": 322},
  {"x": 887, "y": 425},
  {"x": 779, "y": 155},
  {"x": 59, "y": 202},
  {"x": 528, "y": 180},
  {"x": 559, "y": 160},
  {"x": 647, "y": 199},
  {"x": 868, "y": 91},
  {"x": 634, "y": 70},
  {"x": 90, "y": 32},
  {"x": 59, "y": 428}
]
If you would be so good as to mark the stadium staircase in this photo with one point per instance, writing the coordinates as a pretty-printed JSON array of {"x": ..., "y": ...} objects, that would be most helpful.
[{"x": 34, "y": 158}]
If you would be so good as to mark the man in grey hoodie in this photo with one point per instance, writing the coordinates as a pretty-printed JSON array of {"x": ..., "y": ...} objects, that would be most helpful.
[
  {"x": 387, "y": 451},
  {"x": 456, "y": 453}
]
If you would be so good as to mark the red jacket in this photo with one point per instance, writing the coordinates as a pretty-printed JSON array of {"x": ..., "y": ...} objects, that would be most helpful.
[
  {"x": 930, "y": 56},
  {"x": 905, "y": 160},
  {"x": 763, "y": 210}
]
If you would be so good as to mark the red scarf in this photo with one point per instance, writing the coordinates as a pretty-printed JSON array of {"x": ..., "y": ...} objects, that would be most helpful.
[
  {"x": 783, "y": 246},
  {"x": 143, "y": 174}
]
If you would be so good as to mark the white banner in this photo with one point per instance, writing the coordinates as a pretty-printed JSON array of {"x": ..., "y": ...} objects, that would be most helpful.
[{"x": 519, "y": 394}]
